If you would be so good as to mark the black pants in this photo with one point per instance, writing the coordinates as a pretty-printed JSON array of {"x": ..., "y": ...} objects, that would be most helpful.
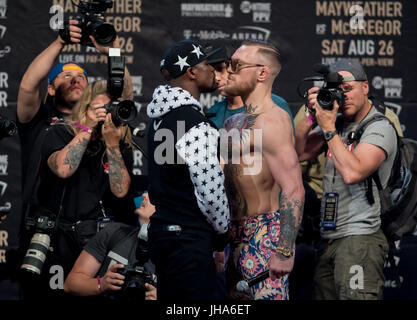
[{"x": 184, "y": 264}]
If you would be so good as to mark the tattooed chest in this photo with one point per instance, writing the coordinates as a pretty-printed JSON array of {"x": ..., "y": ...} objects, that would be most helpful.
[{"x": 238, "y": 134}]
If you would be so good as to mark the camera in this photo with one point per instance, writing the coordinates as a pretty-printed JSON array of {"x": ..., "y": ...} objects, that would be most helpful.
[
  {"x": 330, "y": 90},
  {"x": 8, "y": 128},
  {"x": 122, "y": 112},
  {"x": 39, "y": 244},
  {"x": 90, "y": 20},
  {"x": 133, "y": 288}
]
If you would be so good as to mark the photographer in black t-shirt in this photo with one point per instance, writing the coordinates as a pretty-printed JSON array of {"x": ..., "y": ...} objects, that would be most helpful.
[
  {"x": 83, "y": 162},
  {"x": 95, "y": 271}
]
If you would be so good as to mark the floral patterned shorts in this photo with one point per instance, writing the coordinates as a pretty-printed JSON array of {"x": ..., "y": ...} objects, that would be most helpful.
[{"x": 254, "y": 241}]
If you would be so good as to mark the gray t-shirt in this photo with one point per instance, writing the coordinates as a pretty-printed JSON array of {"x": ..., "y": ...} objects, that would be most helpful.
[{"x": 355, "y": 215}]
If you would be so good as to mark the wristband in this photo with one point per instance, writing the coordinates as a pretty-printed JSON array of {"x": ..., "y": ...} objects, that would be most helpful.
[
  {"x": 83, "y": 128},
  {"x": 309, "y": 118},
  {"x": 99, "y": 285}
]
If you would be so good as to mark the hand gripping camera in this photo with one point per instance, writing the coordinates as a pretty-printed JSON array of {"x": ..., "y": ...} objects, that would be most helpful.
[
  {"x": 90, "y": 20},
  {"x": 329, "y": 92},
  {"x": 39, "y": 244},
  {"x": 133, "y": 288}
]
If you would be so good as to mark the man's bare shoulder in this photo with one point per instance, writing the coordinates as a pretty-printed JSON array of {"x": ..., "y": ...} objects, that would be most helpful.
[{"x": 275, "y": 120}]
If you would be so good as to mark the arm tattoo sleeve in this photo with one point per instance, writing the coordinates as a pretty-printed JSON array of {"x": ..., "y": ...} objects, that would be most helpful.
[
  {"x": 289, "y": 224},
  {"x": 75, "y": 153},
  {"x": 117, "y": 170}
]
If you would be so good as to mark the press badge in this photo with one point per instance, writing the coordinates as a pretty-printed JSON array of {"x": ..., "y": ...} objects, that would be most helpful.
[
  {"x": 329, "y": 210},
  {"x": 102, "y": 222}
]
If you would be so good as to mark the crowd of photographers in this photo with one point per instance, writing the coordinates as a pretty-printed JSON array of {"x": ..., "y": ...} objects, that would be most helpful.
[{"x": 77, "y": 147}]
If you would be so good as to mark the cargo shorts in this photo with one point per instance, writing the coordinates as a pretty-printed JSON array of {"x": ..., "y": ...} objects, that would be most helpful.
[{"x": 351, "y": 268}]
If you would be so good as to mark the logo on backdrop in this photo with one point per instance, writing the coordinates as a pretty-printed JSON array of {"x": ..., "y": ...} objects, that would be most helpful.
[
  {"x": 392, "y": 86},
  {"x": 218, "y": 10},
  {"x": 4, "y": 77},
  {"x": 137, "y": 85},
  {"x": 4, "y": 163},
  {"x": 251, "y": 33},
  {"x": 261, "y": 11},
  {"x": 240, "y": 34},
  {"x": 2, "y": 31},
  {"x": 3, "y": 9},
  {"x": 4, "y": 206}
]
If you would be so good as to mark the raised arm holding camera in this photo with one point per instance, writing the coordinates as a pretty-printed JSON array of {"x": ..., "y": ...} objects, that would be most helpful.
[{"x": 352, "y": 241}]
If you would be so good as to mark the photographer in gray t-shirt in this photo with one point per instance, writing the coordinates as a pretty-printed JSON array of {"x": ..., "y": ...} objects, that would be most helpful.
[{"x": 353, "y": 247}]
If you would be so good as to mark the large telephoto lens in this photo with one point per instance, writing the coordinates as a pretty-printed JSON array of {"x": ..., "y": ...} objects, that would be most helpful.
[{"x": 36, "y": 254}]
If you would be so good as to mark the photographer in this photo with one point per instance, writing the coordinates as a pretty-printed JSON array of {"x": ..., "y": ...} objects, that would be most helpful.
[
  {"x": 96, "y": 269},
  {"x": 66, "y": 84},
  {"x": 350, "y": 228},
  {"x": 84, "y": 161}
]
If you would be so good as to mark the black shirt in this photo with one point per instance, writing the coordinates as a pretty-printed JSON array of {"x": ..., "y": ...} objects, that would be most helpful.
[
  {"x": 86, "y": 187},
  {"x": 29, "y": 133}
]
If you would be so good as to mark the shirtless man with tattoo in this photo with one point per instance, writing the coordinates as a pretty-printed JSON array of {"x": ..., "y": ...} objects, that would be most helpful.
[{"x": 264, "y": 228}]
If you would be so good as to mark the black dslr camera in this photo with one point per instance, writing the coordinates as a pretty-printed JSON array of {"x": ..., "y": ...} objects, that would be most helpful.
[
  {"x": 133, "y": 288},
  {"x": 90, "y": 20},
  {"x": 8, "y": 128},
  {"x": 329, "y": 92},
  {"x": 39, "y": 244},
  {"x": 122, "y": 112}
]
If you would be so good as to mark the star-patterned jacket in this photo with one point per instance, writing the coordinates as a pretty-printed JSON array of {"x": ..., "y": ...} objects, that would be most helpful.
[{"x": 186, "y": 180}]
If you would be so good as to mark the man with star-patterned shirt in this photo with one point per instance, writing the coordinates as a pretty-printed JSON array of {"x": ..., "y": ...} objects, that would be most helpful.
[{"x": 186, "y": 179}]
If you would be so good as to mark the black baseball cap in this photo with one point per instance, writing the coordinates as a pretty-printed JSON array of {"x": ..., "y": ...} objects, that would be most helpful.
[
  {"x": 182, "y": 55},
  {"x": 352, "y": 66}
]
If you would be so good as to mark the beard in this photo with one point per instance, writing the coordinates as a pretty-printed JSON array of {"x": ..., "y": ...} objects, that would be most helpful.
[
  {"x": 239, "y": 88},
  {"x": 64, "y": 97}
]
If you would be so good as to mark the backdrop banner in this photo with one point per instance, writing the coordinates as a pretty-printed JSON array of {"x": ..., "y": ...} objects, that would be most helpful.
[{"x": 382, "y": 35}]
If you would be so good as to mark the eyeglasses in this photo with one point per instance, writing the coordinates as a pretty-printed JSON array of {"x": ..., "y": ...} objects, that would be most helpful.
[{"x": 236, "y": 65}]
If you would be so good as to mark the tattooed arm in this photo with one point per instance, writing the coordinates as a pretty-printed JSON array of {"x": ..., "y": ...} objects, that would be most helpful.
[
  {"x": 65, "y": 162},
  {"x": 118, "y": 174},
  {"x": 279, "y": 152}
]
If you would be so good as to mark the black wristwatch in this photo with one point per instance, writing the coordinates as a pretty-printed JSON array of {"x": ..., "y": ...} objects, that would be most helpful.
[{"x": 329, "y": 135}]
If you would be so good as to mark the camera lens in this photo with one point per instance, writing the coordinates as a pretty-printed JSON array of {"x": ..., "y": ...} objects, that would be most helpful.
[
  {"x": 36, "y": 253},
  {"x": 104, "y": 34},
  {"x": 325, "y": 99},
  {"x": 7, "y": 128},
  {"x": 126, "y": 111}
]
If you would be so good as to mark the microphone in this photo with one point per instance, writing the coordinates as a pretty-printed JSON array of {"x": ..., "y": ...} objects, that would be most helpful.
[{"x": 244, "y": 285}]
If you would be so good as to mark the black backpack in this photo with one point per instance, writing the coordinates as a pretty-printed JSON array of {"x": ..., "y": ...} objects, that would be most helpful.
[{"x": 399, "y": 198}]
